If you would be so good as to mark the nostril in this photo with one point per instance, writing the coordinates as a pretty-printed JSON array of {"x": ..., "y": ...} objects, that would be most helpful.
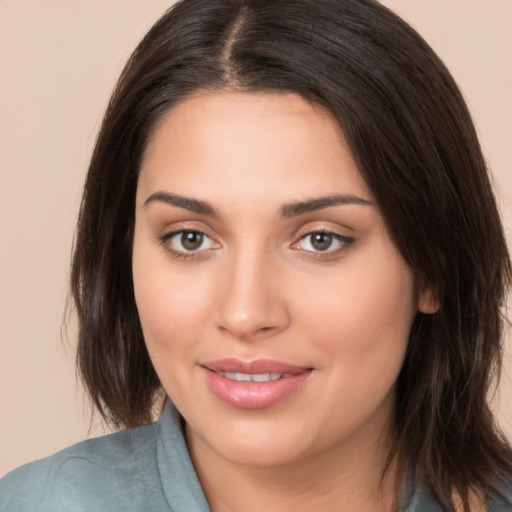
[{"x": 247, "y": 308}]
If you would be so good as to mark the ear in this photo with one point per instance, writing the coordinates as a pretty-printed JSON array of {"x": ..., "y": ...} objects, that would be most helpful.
[{"x": 428, "y": 299}]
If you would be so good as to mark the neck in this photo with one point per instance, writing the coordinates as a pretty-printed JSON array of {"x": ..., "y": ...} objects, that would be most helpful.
[{"x": 349, "y": 477}]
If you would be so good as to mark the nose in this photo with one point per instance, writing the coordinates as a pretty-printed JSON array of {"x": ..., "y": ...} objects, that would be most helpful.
[{"x": 251, "y": 302}]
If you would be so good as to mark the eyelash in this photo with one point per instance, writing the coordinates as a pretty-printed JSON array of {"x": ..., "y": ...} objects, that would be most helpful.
[
  {"x": 326, "y": 254},
  {"x": 166, "y": 239}
]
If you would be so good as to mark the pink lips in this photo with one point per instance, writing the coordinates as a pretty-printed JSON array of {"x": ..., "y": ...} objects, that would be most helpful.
[{"x": 261, "y": 383}]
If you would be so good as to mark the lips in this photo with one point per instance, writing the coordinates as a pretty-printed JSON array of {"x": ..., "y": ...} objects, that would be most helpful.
[
  {"x": 254, "y": 377},
  {"x": 253, "y": 384}
]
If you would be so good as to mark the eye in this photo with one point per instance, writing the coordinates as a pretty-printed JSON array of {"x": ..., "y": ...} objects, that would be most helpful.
[
  {"x": 323, "y": 241},
  {"x": 186, "y": 242}
]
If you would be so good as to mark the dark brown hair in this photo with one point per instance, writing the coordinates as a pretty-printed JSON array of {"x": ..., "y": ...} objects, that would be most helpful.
[{"x": 416, "y": 147}]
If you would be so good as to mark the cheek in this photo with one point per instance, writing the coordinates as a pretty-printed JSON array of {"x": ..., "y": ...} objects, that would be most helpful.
[
  {"x": 169, "y": 304},
  {"x": 172, "y": 312},
  {"x": 373, "y": 298},
  {"x": 164, "y": 308},
  {"x": 361, "y": 324},
  {"x": 363, "y": 318}
]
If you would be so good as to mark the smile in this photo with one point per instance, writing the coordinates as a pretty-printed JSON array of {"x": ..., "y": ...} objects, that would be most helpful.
[
  {"x": 253, "y": 385},
  {"x": 254, "y": 377}
]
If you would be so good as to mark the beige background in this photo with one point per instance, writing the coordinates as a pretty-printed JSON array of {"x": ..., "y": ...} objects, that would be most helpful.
[{"x": 58, "y": 62}]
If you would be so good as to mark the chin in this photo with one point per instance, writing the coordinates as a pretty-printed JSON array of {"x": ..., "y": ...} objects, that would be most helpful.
[
  {"x": 262, "y": 442},
  {"x": 269, "y": 454}
]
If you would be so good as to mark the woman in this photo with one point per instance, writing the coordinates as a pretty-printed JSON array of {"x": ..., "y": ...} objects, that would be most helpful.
[{"x": 288, "y": 230}]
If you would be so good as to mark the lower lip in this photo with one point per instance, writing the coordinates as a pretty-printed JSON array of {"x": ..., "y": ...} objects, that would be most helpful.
[{"x": 253, "y": 395}]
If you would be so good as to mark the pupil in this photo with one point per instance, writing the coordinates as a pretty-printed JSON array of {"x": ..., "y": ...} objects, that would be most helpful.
[
  {"x": 321, "y": 241},
  {"x": 191, "y": 240}
]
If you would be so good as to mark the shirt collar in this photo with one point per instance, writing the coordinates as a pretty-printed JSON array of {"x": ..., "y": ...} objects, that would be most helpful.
[
  {"x": 181, "y": 485},
  {"x": 179, "y": 479}
]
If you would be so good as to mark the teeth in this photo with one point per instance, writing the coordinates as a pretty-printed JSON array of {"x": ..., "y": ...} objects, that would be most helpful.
[
  {"x": 253, "y": 377},
  {"x": 265, "y": 377}
]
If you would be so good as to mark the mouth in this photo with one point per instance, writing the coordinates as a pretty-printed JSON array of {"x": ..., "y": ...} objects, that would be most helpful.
[
  {"x": 254, "y": 377},
  {"x": 255, "y": 384}
]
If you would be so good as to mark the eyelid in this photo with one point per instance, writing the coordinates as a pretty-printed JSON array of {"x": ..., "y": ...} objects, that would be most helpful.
[
  {"x": 166, "y": 238},
  {"x": 346, "y": 242}
]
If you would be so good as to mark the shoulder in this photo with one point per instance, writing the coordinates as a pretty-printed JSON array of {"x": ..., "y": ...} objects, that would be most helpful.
[
  {"x": 422, "y": 500},
  {"x": 502, "y": 502},
  {"x": 91, "y": 475}
]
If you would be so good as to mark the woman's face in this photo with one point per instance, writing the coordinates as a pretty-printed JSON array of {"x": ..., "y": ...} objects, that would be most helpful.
[{"x": 275, "y": 308}]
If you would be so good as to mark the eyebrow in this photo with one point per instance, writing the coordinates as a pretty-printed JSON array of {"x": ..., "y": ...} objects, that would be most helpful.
[
  {"x": 311, "y": 205},
  {"x": 194, "y": 205},
  {"x": 288, "y": 210}
]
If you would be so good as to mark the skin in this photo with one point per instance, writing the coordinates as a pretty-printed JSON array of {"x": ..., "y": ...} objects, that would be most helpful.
[{"x": 257, "y": 287}]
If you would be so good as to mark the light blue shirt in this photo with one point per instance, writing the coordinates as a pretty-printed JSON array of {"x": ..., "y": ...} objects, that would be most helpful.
[{"x": 143, "y": 469}]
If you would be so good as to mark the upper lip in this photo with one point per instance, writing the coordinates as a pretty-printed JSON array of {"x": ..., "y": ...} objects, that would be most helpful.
[{"x": 257, "y": 366}]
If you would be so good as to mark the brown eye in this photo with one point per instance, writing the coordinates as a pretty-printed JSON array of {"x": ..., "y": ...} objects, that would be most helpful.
[
  {"x": 191, "y": 240},
  {"x": 187, "y": 243},
  {"x": 321, "y": 241},
  {"x": 327, "y": 242}
]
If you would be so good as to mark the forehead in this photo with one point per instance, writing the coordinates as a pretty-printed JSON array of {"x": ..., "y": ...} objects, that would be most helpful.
[{"x": 249, "y": 144}]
